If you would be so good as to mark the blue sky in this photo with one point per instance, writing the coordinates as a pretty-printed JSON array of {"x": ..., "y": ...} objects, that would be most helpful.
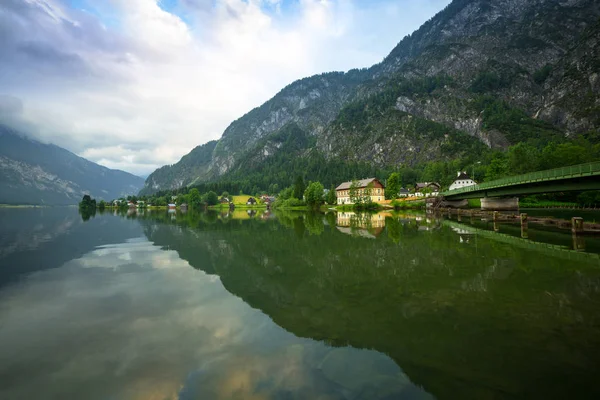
[{"x": 136, "y": 84}]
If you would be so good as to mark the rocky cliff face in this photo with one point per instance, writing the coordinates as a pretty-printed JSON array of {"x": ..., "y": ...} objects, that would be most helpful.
[
  {"x": 440, "y": 92},
  {"x": 35, "y": 173}
]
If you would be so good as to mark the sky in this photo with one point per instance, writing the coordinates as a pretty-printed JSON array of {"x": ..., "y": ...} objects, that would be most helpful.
[{"x": 137, "y": 84}]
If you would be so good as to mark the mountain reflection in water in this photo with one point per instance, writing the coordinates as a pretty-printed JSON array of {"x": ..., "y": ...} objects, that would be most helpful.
[{"x": 288, "y": 305}]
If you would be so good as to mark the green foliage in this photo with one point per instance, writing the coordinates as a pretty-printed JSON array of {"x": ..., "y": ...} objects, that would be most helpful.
[
  {"x": 299, "y": 188},
  {"x": 194, "y": 199},
  {"x": 211, "y": 198},
  {"x": 488, "y": 81},
  {"x": 313, "y": 194},
  {"x": 87, "y": 207},
  {"x": 408, "y": 205},
  {"x": 514, "y": 123},
  {"x": 394, "y": 183},
  {"x": 286, "y": 193},
  {"x": 353, "y": 193},
  {"x": 225, "y": 195},
  {"x": 522, "y": 158},
  {"x": 358, "y": 114},
  {"x": 87, "y": 203},
  {"x": 498, "y": 167},
  {"x": 331, "y": 196},
  {"x": 101, "y": 205},
  {"x": 289, "y": 203}
]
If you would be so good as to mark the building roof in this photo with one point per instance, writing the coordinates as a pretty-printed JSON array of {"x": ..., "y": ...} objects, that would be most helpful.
[
  {"x": 361, "y": 183},
  {"x": 404, "y": 190},
  {"x": 421, "y": 185},
  {"x": 462, "y": 175}
]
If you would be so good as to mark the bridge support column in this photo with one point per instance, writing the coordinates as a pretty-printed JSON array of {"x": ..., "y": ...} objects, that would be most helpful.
[
  {"x": 496, "y": 223},
  {"x": 577, "y": 225},
  {"x": 524, "y": 226},
  {"x": 578, "y": 242},
  {"x": 500, "y": 204}
]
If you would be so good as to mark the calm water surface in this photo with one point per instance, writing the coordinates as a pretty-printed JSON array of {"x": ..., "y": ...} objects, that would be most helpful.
[{"x": 293, "y": 306}]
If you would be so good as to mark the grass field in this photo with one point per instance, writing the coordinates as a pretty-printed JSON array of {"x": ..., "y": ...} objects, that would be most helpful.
[{"x": 241, "y": 199}]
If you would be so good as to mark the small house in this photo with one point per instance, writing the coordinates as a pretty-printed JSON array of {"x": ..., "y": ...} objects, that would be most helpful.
[
  {"x": 224, "y": 200},
  {"x": 183, "y": 207},
  {"x": 251, "y": 201},
  {"x": 427, "y": 189},
  {"x": 403, "y": 192},
  {"x": 172, "y": 206},
  {"x": 365, "y": 188},
  {"x": 462, "y": 180}
]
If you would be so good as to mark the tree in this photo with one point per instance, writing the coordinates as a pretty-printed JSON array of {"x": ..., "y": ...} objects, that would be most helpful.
[
  {"x": 286, "y": 193},
  {"x": 522, "y": 158},
  {"x": 299, "y": 187},
  {"x": 331, "y": 196},
  {"x": 314, "y": 194},
  {"x": 101, "y": 205},
  {"x": 353, "y": 193},
  {"x": 87, "y": 207},
  {"x": 87, "y": 203},
  {"x": 393, "y": 186},
  {"x": 497, "y": 168},
  {"x": 225, "y": 195},
  {"x": 211, "y": 198},
  {"x": 194, "y": 199}
]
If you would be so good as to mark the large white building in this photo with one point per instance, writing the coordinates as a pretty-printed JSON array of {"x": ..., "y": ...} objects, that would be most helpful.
[{"x": 462, "y": 180}]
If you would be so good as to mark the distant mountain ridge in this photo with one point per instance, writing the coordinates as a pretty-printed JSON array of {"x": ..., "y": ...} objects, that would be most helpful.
[
  {"x": 479, "y": 73},
  {"x": 32, "y": 172}
]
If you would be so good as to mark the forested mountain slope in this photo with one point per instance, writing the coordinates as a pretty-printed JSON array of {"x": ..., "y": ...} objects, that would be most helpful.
[
  {"x": 479, "y": 75},
  {"x": 32, "y": 172}
]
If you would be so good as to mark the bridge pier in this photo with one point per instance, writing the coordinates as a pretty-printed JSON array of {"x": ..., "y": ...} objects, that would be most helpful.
[
  {"x": 577, "y": 224},
  {"x": 500, "y": 204},
  {"x": 524, "y": 226}
]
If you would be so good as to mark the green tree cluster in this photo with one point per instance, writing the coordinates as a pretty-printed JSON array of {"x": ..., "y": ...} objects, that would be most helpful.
[{"x": 313, "y": 194}]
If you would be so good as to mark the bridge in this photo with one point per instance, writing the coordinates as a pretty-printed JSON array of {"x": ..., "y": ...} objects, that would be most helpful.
[
  {"x": 553, "y": 250},
  {"x": 566, "y": 179}
]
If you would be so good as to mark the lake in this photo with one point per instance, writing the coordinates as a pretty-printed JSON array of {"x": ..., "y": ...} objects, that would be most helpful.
[{"x": 260, "y": 305}]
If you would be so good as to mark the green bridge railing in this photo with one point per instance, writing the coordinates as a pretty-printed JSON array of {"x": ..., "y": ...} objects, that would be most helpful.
[{"x": 538, "y": 176}]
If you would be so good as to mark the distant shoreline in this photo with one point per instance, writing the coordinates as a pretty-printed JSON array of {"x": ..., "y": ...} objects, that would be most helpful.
[{"x": 33, "y": 206}]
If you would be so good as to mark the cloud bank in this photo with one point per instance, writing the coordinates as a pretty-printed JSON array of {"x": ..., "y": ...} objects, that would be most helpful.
[{"x": 136, "y": 84}]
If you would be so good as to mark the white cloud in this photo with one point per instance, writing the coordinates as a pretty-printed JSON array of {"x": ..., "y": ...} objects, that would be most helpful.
[{"x": 135, "y": 87}]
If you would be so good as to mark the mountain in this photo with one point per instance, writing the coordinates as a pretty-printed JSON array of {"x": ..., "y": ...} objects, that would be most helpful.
[
  {"x": 36, "y": 173},
  {"x": 480, "y": 75}
]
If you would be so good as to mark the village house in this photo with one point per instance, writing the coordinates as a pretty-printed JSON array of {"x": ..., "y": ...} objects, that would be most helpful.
[
  {"x": 366, "y": 188},
  {"x": 427, "y": 189},
  {"x": 462, "y": 180},
  {"x": 403, "y": 192},
  {"x": 251, "y": 201}
]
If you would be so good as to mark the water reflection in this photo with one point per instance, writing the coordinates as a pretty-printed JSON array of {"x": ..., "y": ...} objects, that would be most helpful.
[
  {"x": 369, "y": 225},
  {"x": 466, "y": 312},
  {"x": 141, "y": 319}
]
